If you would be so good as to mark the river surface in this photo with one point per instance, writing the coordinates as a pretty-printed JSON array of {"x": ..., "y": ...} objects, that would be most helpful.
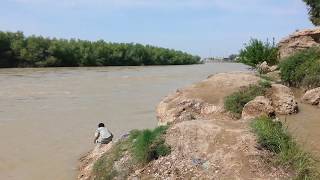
[
  {"x": 48, "y": 116},
  {"x": 305, "y": 126}
]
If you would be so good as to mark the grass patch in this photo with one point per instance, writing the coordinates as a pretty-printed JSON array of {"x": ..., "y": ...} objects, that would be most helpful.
[
  {"x": 149, "y": 145},
  {"x": 103, "y": 167},
  {"x": 236, "y": 101},
  {"x": 144, "y": 146},
  {"x": 302, "y": 69},
  {"x": 275, "y": 138}
]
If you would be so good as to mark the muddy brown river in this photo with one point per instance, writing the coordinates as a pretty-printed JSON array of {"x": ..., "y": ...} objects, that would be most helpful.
[
  {"x": 48, "y": 116},
  {"x": 305, "y": 126}
]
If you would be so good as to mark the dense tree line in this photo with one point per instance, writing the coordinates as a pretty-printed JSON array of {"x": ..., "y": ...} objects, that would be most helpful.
[
  {"x": 17, "y": 50},
  {"x": 314, "y": 11}
]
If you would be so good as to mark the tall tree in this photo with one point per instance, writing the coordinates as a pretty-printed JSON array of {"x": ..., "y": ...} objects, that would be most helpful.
[{"x": 314, "y": 11}]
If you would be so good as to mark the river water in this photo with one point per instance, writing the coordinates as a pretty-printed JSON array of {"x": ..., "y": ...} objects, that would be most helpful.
[
  {"x": 305, "y": 126},
  {"x": 48, "y": 116}
]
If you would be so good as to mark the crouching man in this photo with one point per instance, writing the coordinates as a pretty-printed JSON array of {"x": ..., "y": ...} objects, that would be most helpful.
[{"x": 102, "y": 135}]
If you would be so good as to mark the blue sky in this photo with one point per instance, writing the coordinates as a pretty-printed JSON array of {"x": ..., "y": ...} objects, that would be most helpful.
[{"x": 202, "y": 27}]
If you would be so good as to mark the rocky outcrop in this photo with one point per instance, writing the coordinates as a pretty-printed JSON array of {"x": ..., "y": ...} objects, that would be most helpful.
[
  {"x": 203, "y": 98},
  {"x": 258, "y": 107},
  {"x": 176, "y": 108},
  {"x": 298, "y": 41},
  {"x": 283, "y": 99},
  {"x": 265, "y": 68},
  {"x": 312, "y": 97}
]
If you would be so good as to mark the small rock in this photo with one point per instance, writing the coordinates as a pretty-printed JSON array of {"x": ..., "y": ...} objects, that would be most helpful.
[
  {"x": 263, "y": 67},
  {"x": 312, "y": 97}
]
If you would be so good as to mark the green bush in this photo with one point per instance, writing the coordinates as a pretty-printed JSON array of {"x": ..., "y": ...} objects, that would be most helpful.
[
  {"x": 302, "y": 69},
  {"x": 265, "y": 83},
  {"x": 275, "y": 138},
  {"x": 236, "y": 101},
  {"x": 256, "y": 52},
  {"x": 144, "y": 146},
  {"x": 149, "y": 145}
]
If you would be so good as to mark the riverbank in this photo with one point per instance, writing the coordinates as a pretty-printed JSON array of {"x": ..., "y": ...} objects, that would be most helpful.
[{"x": 207, "y": 141}]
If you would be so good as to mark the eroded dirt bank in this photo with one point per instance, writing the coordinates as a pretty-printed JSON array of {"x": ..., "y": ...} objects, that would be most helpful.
[{"x": 206, "y": 141}]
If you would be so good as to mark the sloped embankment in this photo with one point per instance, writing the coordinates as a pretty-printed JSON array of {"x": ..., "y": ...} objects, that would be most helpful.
[{"x": 206, "y": 141}]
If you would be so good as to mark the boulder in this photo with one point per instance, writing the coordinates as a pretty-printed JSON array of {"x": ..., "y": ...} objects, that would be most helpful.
[
  {"x": 177, "y": 107},
  {"x": 265, "y": 68},
  {"x": 299, "y": 40},
  {"x": 312, "y": 97},
  {"x": 283, "y": 99},
  {"x": 258, "y": 107}
]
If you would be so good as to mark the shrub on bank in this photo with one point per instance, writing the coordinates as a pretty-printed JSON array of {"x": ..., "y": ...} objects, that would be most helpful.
[
  {"x": 150, "y": 145},
  {"x": 302, "y": 69},
  {"x": 144, "y": 146},
  {"x": 236, "y": 101},
  {"x": 274, "y": 137},
  {"x": 103, "y": 167},
  {"x": 257, "y": 51}
]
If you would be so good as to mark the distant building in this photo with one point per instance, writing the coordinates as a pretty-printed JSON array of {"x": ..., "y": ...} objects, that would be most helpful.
[{"x": 231, "y": 58}]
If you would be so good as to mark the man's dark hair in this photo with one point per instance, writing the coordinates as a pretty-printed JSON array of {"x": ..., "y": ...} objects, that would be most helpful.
[{"x": 101, "y": 125}]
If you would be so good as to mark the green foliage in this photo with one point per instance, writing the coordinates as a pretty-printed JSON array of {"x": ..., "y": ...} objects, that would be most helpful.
[
  {"x": 256, "y": 52},
  {"x": 144, "y": 146},
  {"x": 103, "y": 167},
  {"x": 302, "y": 69},
  {"x": 264, "y": 84},
  {"x": 150, "y": 145},
  {"x": 267, "y": 77},
  {"x": 236, "y": 101},
  {"x": 273, "y": 137},
  {"x": 314, "y": 11},
  {"x": 16, "y": 50}
]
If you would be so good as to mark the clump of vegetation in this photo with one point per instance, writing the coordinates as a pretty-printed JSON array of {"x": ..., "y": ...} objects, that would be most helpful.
[
  {"x": 265, "y": 84},
  {"x": 256, "y": 52},
  {"x": 302, "y": 69},
  {"x": 266, "y": 77},
  {"x": 236, "y": 101},
  {"x": 150, "y": 145},
  {"x": 103, "y": 167},
  {"x": 143, "y": 146},
  {"x": 275, "y": 138},
  {"x": 314, "y": 11},
  {"x": 17, "y": 50}
]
